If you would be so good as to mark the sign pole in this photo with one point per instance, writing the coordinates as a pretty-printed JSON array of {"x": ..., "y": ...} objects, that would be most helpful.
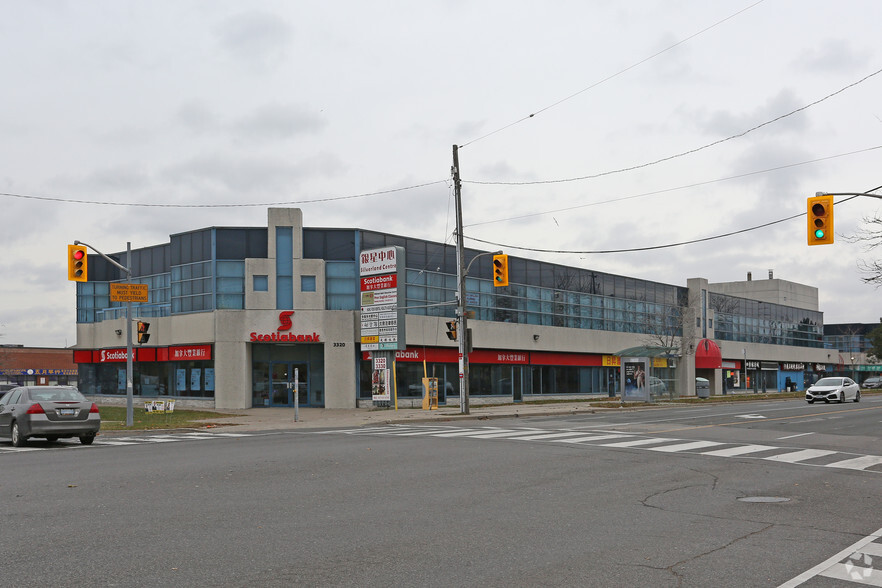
[
  {"x": 129, "y": 354},
  {"x": 130, "y": 394}
]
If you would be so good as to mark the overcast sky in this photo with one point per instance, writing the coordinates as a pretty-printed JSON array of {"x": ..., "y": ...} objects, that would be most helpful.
[{"x": 109, "y": 104}]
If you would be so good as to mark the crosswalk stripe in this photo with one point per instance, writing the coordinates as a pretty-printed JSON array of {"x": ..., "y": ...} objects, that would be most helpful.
[
  {"x": 593, "y": 438},
  {"x": 462, "y": 433},
  {"x": 797, "y": 456},
  {"x": 857, "y": 463},
  {"x": 739, "y": 450},
  {"x": 499, "y": 434},
  {"x": 637, "y": 442},
  {"x": 545, "y": 436},
  {"x": 684, "y": 446}
]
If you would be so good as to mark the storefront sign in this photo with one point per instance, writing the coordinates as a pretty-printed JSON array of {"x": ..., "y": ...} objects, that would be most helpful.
[
  {"x": 284, "y": 338},
  {"x": 612, "y": 361},
  {"x": 385, "y": 260},
  {"x": 106, "y": 355},
  {"x": 190, "y": 352},
  {"x": 793, "y": 367},
  {"x": 285, "y": 324},
  {"x": 382, "y": 290}
]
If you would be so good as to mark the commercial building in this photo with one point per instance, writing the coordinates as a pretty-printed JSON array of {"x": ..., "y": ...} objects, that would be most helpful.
[
  {"x": 242, "y": 317},
  {"x": 36, "y": 366}
]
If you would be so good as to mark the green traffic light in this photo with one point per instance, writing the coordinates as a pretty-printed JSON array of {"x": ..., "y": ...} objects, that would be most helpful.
[{"x": 819, "y": 234}]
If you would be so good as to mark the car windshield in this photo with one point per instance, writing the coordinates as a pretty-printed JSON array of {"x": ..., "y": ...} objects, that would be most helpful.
[
  {"x": 55, "y": 395},
  {"x": 829, "y": 382}
]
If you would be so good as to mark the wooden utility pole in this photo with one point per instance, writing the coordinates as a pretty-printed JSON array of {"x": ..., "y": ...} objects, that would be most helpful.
[{"x": 461, "y": 328}]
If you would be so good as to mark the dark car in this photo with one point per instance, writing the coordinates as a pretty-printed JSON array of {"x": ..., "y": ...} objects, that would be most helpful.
[
  {"x": 50, "y": 412},
  {"x": 872, "y": 383}
]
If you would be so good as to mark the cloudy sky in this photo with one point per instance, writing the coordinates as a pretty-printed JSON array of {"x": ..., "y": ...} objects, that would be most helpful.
[{"x": 129, "y": 121}]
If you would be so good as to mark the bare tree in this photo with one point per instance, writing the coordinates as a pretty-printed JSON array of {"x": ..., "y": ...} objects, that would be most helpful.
[{"x": 870, "y": 237}]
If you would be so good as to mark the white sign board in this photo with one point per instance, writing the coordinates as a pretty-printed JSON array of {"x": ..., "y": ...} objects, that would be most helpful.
[{"x": 381, "y": 286}]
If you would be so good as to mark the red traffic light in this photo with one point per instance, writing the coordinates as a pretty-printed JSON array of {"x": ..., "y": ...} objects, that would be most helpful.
[{"x": 77, "y": 263}]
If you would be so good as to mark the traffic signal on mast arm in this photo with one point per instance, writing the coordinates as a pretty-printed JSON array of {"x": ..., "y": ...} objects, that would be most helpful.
[
  {"x": 820, "y": 219},
  {"x": 143, "y": 335},
  {"x": 77, "y": 263},
  {"x": 500, "y": 270},
  {"x": 451, "y": 330}
]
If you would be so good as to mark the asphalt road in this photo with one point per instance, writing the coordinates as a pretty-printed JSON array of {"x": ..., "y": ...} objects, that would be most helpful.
[{"x": 643, "y": 498}]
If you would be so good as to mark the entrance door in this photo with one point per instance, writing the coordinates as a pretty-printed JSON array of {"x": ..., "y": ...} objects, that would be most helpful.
[{"x": 282, "y": 383}]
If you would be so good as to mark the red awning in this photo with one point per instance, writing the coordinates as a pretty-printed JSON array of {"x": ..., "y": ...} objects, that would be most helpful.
[{"x": 708, "y": 355}]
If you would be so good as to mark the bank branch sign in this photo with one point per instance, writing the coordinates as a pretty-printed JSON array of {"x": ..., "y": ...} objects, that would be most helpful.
[{"x": 382, "y": 299}]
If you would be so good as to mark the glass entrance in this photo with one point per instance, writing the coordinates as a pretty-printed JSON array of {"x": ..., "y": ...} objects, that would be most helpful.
[{"x": 281, "y": 381}]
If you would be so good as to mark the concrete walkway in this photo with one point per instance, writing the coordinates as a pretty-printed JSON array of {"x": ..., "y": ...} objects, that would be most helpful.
[{"x": 265, "y": 419}]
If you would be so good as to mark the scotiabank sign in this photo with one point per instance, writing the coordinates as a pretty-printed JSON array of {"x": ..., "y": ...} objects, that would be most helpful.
[
  {"x": 106, "y": 355},
  {"x": 286, "y": 322},
  {"x": 284, "y": 337},
  {"x": 141, "y": 354}
]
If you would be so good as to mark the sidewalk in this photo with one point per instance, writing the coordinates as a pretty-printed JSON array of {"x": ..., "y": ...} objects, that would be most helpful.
[{"x": 266, "y": 419}]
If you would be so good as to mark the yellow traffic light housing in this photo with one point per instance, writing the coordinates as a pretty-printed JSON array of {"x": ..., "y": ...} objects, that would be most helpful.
[
  {"x": 819, "y": 230},
  {"x": 143, "y": 335},
  {"x": 500, "y": 270},
  {"x": 77, "y": 263},
  {"x": 451, "y": 330}
]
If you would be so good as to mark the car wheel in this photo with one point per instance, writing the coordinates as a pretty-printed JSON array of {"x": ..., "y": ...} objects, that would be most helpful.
[
  {"x": 52, "y": 438},
  {"x": 842, "y": 397},
  {"x": 87, "y": 439},
  {"x": 810, "y": 401},
  {"x": 18, "y": 440},
  {"x": 857, "y": 396},
  {"x": 826, "y": 401}
]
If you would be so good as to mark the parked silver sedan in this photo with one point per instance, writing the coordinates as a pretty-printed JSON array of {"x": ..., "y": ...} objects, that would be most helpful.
[
  {"x": 827, "y": 389},
  {"x": 50, "y": 412}
]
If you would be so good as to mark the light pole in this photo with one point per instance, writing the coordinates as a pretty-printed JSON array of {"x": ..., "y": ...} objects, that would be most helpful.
[{"x": 129, "y": 352}]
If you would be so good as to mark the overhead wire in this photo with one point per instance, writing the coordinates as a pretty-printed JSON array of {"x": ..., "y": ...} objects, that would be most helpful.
[
  {"x": 666, "y": 246},
  {"x": 668, "y": 190},
  {"x": 677, "y": 155},
  {"x": 216, "y": 205},
  {"x": 610, "y": 77}
]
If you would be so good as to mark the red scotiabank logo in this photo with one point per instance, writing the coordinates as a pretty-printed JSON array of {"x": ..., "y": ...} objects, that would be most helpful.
[{"x": 285, "y": 323}]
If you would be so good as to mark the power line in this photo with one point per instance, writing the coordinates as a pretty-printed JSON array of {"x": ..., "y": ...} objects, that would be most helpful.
[
  {"x": 667, "y": 246},
  {"x": 684, "y": 153},
  {"x": 615, "y": 75},
  {"x": 231, "y": 205},
  {"x": 667, "y": 190}
]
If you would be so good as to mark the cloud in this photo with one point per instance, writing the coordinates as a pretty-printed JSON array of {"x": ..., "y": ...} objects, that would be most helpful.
[
  {"x": 259, "y": 39},
  {"x": 833, "y": 56},
  {"x": 276, "y": 121}
]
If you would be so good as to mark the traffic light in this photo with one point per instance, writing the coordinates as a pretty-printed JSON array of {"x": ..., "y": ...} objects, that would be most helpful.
[
  {"x": 500, "y": 270},
  {"x": 143, "y": 335},
  {"x": 77, "y": 263},
  {"x": 451, "y": 330},
  {"x": 820, "y": 220}
]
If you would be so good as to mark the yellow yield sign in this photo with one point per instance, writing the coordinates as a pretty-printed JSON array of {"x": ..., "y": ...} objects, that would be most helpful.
[{"x": 128, "y": 292}]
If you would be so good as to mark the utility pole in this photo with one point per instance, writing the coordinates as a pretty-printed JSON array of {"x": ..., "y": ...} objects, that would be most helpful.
[{"x": 462, "y": 332}]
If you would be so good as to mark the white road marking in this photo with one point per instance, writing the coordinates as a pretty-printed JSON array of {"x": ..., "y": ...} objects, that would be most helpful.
[
  {"x": 637, "y": 442},
  {"x": 794, "y": 436},
  {"x": 797, "y": 456},
  {"x": 857, "y": 463},
  {"x": 685, "y": 446},
  {"x": 740, "y": 450},
  {"x": 825, "y": 565}
]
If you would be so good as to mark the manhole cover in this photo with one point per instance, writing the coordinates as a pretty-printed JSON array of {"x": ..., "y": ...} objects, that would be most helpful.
[{"x": 764, "y": 499}]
